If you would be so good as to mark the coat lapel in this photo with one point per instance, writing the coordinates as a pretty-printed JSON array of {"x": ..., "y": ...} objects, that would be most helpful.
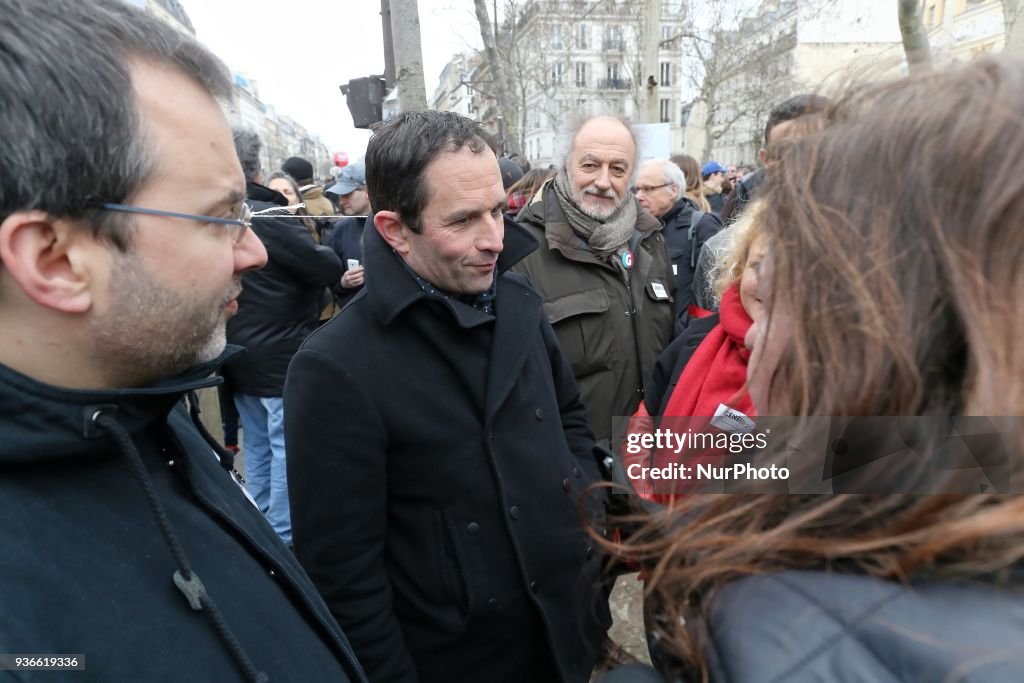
[{"x": 517, "y": 311}]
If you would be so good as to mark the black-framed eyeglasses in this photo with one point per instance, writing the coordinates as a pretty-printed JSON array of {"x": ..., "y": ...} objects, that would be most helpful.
[
  {"x": 236, "y": 226},
  {"x": 637, "y": 189}
]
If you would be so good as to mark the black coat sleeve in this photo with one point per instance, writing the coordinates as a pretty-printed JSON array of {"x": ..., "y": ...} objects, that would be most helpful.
[
  {"x": 669, "y": 367},
  {"x": 661, "y": 375},
  {"x": 295, "y": 252},
  {"x": 338, "y": 493},
  {"x": 570, "y": 407}
]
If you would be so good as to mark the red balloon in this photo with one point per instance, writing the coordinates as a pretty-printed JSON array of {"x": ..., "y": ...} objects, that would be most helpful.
[{"x": 340, "y": 159}]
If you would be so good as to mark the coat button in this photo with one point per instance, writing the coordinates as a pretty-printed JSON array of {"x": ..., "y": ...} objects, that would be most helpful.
[
  {"x": 576, "y": 472},
  {"x": 472, "y": 528},
  {"x": 514, "y": 512},
  {"x": 539, "y": 414},
  {"x": 492, "y": 603},
  {"x": 589, "y": 552},
  {"x": 533, "y": 586},
  {"x": 565, "y": 485}
]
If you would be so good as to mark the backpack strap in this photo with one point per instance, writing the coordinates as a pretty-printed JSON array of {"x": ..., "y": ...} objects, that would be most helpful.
[{"x": 695, "y": 218}]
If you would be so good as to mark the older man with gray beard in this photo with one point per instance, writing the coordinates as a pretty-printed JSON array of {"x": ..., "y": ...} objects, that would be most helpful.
[{"x": 603, "y": 270}]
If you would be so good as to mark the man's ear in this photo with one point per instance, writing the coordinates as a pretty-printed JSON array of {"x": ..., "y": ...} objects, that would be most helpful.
[
  {"x": 48, "y": 259},
  {"x": 390, "y": 226},
  {"x": 763, "y": 156}
]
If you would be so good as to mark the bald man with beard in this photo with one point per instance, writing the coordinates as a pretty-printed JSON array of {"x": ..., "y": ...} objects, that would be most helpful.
[{"x": 603, "y": 270}]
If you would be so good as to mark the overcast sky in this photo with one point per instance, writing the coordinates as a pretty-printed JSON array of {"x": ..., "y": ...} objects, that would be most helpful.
[{"x": 300, "y": 51}]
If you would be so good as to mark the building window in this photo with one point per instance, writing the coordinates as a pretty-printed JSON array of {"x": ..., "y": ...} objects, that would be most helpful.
[
  {"x": 581, "y": 74},
  {"x": 556, "y": 36},
  {"x": 613, "y": 74},
  {"x": 667, "y": 37},
  {"x": 613, "y": 38},
  {"x": 556, "y": 73},
  {"x": 666, "y": 111},
  {"x": 666, "y": 74},
  {"x": 583, "y": 33}
]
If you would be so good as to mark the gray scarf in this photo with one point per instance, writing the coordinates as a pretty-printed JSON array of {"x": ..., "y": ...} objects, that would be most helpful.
[{"x": 604, "y": 237}]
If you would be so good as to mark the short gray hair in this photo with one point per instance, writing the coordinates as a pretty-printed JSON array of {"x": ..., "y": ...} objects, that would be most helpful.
[
  {"x": 248, "y": 147},
  {"x": 70, "y": 126},
  {"x": 670, "y": 174}
]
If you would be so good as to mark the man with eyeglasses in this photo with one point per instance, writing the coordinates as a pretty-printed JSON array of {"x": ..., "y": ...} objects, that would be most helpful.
[
  {"x": 661, "y": 190},
  {"x": 130, "y": 549},
  {"x": 603, "y": 270},
  {"x": 278, "y": 308}
]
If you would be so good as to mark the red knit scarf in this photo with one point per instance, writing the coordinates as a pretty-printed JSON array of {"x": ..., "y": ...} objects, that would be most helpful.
[{"x": 717, "y": 371}]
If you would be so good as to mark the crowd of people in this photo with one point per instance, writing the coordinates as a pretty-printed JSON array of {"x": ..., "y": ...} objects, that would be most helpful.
[{"x": 436, "y": 357}]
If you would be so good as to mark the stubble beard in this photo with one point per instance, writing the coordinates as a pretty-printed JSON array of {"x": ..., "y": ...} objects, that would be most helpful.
[{"x": 152, "y": 332}]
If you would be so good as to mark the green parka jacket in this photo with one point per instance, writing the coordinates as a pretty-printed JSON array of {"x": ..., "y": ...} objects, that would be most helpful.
[{"x": 611, "y": 330}]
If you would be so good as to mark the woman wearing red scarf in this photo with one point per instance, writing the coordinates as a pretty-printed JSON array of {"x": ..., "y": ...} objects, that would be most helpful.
[{"x": 703, "y": 372}]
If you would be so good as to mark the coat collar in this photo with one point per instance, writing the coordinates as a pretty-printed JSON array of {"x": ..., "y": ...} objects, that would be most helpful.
[
  {"x": 43, "y": 422},
  {"x": 672, "y": 214},
  {"x": 393, "y": 289},
  {"x": 262, "y": 193}
]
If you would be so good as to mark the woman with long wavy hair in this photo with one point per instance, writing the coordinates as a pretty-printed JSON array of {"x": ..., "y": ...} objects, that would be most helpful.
[{"x": 893, "y": 270}]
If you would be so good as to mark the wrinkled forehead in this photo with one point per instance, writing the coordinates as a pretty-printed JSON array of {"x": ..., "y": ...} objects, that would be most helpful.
[{"x": 605, "y": 140}]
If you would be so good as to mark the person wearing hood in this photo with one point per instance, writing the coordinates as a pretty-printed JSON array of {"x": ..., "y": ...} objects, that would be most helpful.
[
  {"x": 127, "y": 537},
  {"x": 440, "y": 515}
]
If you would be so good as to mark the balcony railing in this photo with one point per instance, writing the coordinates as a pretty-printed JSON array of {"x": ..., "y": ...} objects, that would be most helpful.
[{"x": 614, "y": 84}]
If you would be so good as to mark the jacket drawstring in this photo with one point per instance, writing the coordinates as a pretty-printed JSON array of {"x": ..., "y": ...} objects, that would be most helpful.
[
  {"x": 184, "y": 578},
  {"x": 226, "y": 457}
]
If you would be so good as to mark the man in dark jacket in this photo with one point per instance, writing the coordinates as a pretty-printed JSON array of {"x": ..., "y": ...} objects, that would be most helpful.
[
  {"x": 347, "y": 233},
  {"x": 660, "y": 189},
  {"x": 127, "y": 539},
  {"x": 603, "y": 270},
  {"x": 780, "y": 119},
  {"x": 278, "y": 308},
  {"x": 439, "y": 515}
]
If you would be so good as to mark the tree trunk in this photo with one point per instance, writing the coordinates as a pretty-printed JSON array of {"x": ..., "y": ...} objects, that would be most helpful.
[
  {"x": 1012, "y": 10},
  {"x": 405, "y": 22},
  {"x": 500, "y": 81},
  {"x": 915, "y": 38}
]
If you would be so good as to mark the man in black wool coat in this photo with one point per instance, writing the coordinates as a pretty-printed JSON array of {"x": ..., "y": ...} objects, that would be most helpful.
[{"x": 437, "y": 445}]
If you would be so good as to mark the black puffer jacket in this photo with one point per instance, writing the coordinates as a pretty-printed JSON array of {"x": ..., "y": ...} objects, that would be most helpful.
[
  {"x": 804, "y": 626},
  {"x": 280, "y": 304}
]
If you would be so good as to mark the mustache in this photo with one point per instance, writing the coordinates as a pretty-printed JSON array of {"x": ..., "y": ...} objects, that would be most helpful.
[
  {"x": 607, "y": 194},
  {"x": 236, "y": 289}
]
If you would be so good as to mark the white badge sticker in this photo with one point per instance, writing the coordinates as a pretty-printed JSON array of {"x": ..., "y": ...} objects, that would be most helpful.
[
  {"x": 731, "y": 420},
  {"x": 659, "y": 290},
  {"x": 675, "y": 269}
]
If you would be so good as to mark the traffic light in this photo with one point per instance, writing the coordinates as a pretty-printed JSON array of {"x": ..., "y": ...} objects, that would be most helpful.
[{"x": 365, "y": 99}]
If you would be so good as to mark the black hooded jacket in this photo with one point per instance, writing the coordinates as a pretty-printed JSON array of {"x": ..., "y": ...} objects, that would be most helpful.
[{"x": 117, "y": 507}]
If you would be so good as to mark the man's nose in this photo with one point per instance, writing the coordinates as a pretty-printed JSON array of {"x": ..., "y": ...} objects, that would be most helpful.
[
  {"x": 493, "y": 236},
  {"x": 250, "y": 254}
]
